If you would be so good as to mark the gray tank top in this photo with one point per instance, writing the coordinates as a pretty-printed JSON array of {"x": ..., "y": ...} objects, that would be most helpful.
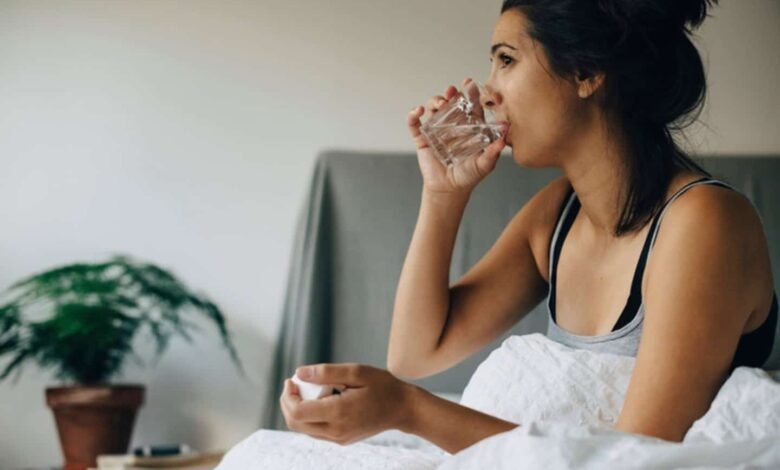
[{"x": 624, "y": 338}]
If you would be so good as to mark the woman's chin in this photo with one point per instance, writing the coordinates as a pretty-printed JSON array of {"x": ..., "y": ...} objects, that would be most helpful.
[{"x": 527, "y": 160}]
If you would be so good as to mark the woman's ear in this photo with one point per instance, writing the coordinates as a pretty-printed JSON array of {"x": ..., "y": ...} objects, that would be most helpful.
[{"x": 588, "y": 83}]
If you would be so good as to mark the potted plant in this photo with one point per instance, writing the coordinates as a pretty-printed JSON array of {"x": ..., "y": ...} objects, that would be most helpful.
[{"x": 81, "y": 320}]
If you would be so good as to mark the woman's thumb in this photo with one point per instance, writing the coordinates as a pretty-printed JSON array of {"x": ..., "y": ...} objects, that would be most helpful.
[{"x": 487, "y": 161}]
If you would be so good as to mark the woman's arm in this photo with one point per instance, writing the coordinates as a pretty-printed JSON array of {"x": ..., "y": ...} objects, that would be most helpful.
[
  {"x": 375, "y": 401},
  {"x": 435, "y": 326},
  {"x": 451, "y": 426},
  {"x": 706, "y": 276},
  {"x": 422, "y": 299}
]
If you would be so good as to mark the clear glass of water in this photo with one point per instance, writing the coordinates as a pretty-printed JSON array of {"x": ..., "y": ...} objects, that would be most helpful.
[{"x": 462, "y": 128}]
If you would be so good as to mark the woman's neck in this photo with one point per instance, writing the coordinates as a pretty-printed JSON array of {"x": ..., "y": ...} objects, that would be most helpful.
[{"x": 596, "y": 169}]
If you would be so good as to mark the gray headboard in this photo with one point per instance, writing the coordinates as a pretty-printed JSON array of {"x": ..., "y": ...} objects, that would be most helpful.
[{"x": 355, "y": 229}]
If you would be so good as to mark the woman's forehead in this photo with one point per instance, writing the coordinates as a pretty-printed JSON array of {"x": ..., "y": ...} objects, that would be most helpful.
[{"x": 511, "y": 29}]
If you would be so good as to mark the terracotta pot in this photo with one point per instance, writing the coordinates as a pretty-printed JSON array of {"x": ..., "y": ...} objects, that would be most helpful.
[{"x": 94, "y": 420}]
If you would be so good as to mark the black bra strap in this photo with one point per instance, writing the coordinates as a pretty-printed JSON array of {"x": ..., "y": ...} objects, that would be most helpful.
[
  {"x": 635, "y": 297},
  {"x": 565, "y": 225}
]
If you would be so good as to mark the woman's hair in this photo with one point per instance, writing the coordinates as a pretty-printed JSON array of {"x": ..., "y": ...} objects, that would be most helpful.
[{"x": 654, "y": 79}]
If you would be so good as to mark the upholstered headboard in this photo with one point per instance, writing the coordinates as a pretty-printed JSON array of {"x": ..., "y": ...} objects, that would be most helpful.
[{"x": 355, "y": 229}]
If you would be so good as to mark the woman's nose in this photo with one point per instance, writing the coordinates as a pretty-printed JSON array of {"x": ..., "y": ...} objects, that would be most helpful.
[{"x": 489, "y": 98}]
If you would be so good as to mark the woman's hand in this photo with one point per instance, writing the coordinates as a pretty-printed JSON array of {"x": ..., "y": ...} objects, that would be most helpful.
[
  {"x": 460, "y": 178},
  {"x": 374, "y": 401}
]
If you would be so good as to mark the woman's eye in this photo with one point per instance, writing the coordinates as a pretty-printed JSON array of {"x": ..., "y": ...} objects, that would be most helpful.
[{"x": 505, "y": 59}]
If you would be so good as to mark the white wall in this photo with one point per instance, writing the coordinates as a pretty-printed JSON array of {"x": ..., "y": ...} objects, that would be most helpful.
[{"x": 184, "y": 132}]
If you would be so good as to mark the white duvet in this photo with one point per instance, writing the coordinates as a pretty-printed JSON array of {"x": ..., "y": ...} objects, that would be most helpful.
[{"x": 566, "y": 401}]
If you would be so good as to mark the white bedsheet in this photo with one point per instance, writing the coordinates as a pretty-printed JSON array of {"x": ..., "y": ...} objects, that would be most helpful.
[{"x": 566, "y": 401}]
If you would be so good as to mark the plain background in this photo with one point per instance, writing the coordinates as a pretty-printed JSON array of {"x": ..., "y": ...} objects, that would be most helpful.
[{"x": 184, "y": 133}]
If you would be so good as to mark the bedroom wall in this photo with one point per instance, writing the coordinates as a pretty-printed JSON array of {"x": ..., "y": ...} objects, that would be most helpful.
[{"x": 184, "y": 133}]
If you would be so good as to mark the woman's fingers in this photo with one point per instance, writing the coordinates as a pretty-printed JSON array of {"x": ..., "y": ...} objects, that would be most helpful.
[
  {"x": 450, "y": 91},
  {"x": 413, "y": 121},
  {"x": 434, "y": 104},
  {"x": 438, "y": 101},
  {"x": 430, "y": 108},
  {"x": 322, "y": 410},
  {"x": 294, "y": 390},
  {"x": 488, "y": 159},
  {"x": 314, "y": 429},
  {"x": 289, "y": 400},
  {"x": 302, "y": 416},
  {"x": 472, "y": 91},
  {"x": 317, "y": 430},
  {"x": 350, "y": 374}
]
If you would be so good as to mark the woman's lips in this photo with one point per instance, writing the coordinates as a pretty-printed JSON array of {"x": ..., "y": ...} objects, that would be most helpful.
[{"x": 505, "y": 130}]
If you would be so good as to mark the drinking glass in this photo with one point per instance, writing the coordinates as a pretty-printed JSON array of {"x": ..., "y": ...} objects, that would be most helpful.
[{"x": 462, "y": 128}]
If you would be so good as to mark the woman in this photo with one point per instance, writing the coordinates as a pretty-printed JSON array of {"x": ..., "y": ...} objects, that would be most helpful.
[{"x": 596, "y": 88}]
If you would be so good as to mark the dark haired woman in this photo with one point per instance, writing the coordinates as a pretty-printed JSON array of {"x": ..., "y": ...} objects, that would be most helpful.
[{"x": 660, "y": 261}]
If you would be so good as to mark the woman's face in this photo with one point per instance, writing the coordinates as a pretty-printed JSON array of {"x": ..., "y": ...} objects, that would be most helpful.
[{"x": 544, "y": 112}]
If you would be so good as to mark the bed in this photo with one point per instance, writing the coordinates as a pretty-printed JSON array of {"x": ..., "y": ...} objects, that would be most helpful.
[
  {"x": 351, "y": 240},
  {"x": 567, "y": 401}
]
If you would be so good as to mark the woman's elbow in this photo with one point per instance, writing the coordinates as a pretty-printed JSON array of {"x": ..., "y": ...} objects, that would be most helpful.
[{"x": 403, "y": 370}]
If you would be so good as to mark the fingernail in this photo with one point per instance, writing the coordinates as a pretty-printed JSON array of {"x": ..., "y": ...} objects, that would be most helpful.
[{"x": 304, "y": 372}]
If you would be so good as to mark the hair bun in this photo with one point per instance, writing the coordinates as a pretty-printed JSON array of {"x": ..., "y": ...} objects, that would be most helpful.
[
  {"x": 657, "y": 14},
  {"x": 691, "y": 13}
]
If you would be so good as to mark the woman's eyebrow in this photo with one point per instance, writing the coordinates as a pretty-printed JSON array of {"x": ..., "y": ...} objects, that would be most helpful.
[{"x": 495, "y": 47}]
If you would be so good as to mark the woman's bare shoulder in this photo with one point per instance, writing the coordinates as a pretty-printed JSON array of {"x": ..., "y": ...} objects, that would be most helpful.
[
  {"x": 541, "y": 215},
  {"x": 725, "y": 221}
]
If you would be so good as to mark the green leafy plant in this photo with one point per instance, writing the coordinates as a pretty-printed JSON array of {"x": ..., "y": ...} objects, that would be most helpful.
[{"x": 82, "y": 319}]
